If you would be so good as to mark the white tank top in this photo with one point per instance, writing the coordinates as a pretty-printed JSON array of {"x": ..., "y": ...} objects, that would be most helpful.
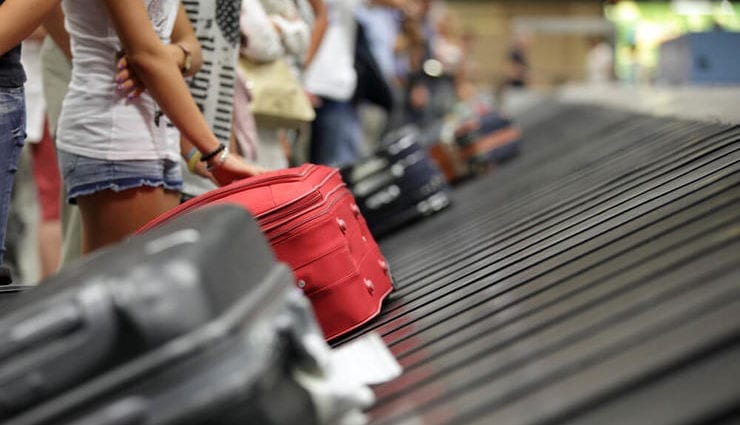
[{"x": 96, "y": 120}]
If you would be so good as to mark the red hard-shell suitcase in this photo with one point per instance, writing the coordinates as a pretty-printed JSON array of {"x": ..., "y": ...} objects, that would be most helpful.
[{"x": 314, "y": 225}]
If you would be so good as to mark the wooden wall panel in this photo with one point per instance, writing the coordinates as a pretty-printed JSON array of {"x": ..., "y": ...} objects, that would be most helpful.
[{"x": 553, "y": 57}]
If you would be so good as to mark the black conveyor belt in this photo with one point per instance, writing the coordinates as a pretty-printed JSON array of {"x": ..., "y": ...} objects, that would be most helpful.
[{"x": 593, "y": 280}]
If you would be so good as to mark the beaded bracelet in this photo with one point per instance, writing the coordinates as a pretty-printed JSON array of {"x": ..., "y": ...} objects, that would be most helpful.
[
  {"x": 192, "y": 158},
  {"x": 213, "y": 153}
]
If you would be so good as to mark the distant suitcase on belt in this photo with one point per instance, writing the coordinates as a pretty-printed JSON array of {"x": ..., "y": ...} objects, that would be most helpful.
[
  {"x": 398, "y": 183},
  {"x": 173, "y": 327},
  {"x": 488, "y": 141},
  {"x": 449, "y": 160},
  {"x": 314, "y": 225}
]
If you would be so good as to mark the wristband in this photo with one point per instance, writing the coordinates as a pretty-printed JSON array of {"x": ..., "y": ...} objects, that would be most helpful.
[
  {"x": 213, "y": 153},
  {"x": 221, "y": 159},
  {"x": 193, "y": 158}
]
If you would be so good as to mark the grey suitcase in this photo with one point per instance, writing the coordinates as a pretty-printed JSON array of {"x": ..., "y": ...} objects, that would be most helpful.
[
  {"x": 174, "y": 326},
  {"x": 9, "y": 292}
]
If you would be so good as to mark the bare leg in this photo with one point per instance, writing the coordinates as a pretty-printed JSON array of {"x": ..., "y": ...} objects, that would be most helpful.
[
  {"x": 109, "y": 217},
  {"x": 48, "y": 189},
  {"x": 50, "y": 242}
]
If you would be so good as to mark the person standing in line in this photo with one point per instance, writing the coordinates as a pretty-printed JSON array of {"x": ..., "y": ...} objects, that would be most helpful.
[
  {"x": 45, "y": 171},
  {"x": 216, "y": 25},
  {"x": 298, "y": 51},
  {"x": 381, "y": 26},
  {"x": 19, "y": 19},
  {"x": 600, "y": 61},
  {"x": 519, "y": 68},
  {"x": 273, "y": 30},
  {"x": 330, "y": 81},
  {"x": 56, "y": 71},
  {"x": 415, "y": 49},
  {"x": 116, "y": 155}
]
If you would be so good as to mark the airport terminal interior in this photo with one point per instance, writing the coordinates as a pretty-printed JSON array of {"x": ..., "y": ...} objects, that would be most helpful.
[{"x": 555, "y": 199}]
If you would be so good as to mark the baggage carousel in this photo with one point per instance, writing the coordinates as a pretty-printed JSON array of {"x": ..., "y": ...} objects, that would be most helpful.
[{"x": 595, "y": 279}]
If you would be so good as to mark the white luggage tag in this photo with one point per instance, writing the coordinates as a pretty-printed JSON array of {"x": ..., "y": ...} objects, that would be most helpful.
[{"x": 341, "y": 393}]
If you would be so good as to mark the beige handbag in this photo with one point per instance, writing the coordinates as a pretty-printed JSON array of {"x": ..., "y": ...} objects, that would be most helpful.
[{"x": 277, "y": 97}]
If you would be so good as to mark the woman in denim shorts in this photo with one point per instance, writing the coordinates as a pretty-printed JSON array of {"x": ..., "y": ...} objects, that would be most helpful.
[{"x": 118, "y": 159}]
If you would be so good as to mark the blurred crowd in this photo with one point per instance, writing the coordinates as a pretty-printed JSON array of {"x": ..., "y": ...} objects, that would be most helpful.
[{"x": 364, "y": 69}]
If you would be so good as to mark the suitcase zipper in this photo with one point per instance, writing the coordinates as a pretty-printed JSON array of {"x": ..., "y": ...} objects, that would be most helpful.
[
  {"x": 287, "y": 232},
  {"x": 303, "y": 204},
  {"x": 300, "y": 205},
  {"x": 252, "y": 182}
]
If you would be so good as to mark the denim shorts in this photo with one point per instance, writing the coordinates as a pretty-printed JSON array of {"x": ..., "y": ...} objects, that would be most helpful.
[{"x": 84, "y": 175}]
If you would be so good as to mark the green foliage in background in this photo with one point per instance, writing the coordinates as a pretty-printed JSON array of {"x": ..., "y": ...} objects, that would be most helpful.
[{"x": 642, "y": 26}]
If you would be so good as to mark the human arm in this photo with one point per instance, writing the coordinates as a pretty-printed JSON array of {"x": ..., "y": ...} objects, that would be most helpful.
[
  {"x": 19, "y": 20},
  {"x": 38, "y": 34},
  {"x": 54, "y": 25},
  {"x": 295, "y": 34},
  {"x": 183, "y": 35},
  {"x": 199, "y": 168},
  {"x": 318, "y": 30},
  {"x": 182, "y": 39},
  {"x": 148, "y": 57},
  {"x": 264, "y": 43}
]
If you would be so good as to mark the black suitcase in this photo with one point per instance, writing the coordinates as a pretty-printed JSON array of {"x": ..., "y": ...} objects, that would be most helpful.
[
  {"x": 398, "y": 183},
  {"x": 174, "y": 326}
]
